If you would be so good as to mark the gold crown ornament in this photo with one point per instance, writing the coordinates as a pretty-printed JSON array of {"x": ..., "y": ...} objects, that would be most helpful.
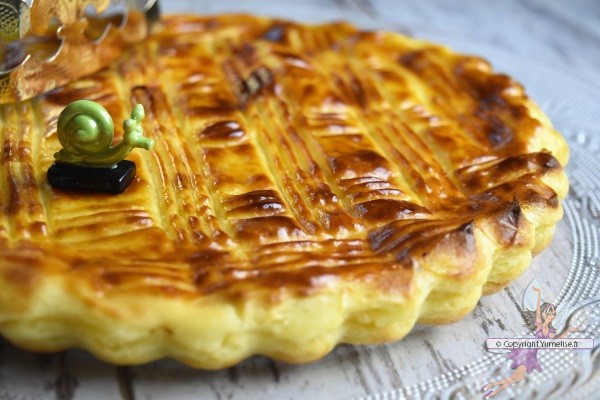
[{"x": 48, "y": 43}]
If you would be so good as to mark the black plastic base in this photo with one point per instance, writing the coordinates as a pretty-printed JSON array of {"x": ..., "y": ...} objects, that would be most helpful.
[{"x": 104, "y": 180}]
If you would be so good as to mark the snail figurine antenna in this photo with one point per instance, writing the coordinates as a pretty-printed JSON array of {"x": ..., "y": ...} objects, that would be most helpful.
[{"x": 87, "y": 160}]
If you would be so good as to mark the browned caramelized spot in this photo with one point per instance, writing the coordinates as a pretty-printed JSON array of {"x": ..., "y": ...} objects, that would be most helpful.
[
  {"x": 479, "y": 177},
  {"x": 498, "y": 134},
  {"x": 361, "y": 163},
  {"x": 287, "y": 156},
  {"x": 403, "y": 238},
  {"x": 265, "y": 229},
  {"x": 383, "y": 210},
  {"x": 259, "y": 203},
  {"x": 509, "y": 221},
  {"x": 253, "y": 84},
  {"x": 223, "y": 130},
  {"x": 275, "y": 33},
  {"x": 416, "y": 61}
]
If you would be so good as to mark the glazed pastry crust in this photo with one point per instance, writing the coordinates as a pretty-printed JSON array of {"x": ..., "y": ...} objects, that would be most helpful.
[{"x": 310, "y": 185}]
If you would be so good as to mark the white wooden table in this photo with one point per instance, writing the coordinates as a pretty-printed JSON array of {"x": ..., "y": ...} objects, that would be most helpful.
[{"x": 561, "y": 36}]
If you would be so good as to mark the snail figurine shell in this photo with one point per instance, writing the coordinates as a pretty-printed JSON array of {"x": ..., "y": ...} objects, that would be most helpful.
[
  {"x": 87, "y": 160},
  {"x": 86, "y": 131}
]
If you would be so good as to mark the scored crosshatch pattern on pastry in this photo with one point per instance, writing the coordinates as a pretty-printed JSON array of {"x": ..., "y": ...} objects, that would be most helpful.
[
  {"x": 571, "y": 372},
  {"x": 365, "y": 173}
]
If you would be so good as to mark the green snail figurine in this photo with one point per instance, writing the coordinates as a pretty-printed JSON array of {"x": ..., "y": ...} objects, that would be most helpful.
[
  {"x": 88, "y": 161},
  {"x": 86, "y": 131}
]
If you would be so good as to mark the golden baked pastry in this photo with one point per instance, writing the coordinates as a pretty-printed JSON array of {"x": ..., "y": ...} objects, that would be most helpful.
[{"x": 309, "y": 185}]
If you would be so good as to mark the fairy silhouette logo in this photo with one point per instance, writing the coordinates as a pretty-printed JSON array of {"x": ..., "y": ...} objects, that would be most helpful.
[{"x": 543, "y": 320}]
